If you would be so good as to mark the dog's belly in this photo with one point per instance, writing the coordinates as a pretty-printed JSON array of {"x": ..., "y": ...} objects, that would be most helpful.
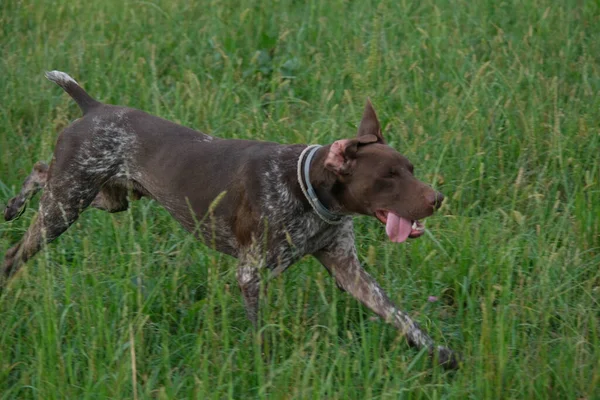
[
  {"x": 285, "y": 243},
  {"x": 211, "y": 230}
]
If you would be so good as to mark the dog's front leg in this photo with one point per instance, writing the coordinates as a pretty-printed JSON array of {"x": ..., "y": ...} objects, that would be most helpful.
[
  {"x": 341, "y": 261},
  {"x": 248, "y": 277}
]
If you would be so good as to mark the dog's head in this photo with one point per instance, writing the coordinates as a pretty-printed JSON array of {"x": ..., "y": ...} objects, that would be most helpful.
[{"x": 374, "y": 179}]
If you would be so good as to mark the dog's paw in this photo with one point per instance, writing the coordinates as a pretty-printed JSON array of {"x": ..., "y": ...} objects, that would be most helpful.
[
  {"x": 14, "y": 208},
  {"x": 447, "y": 358}
]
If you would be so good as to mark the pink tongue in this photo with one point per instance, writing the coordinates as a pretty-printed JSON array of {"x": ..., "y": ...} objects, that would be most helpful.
[{"x": 397, "y": 228}]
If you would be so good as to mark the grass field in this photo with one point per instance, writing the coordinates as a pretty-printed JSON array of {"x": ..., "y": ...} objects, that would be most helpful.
[{"x": 495, "y": 102}]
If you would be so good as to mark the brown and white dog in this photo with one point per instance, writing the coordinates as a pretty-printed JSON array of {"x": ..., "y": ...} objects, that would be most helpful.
[{"x": 267, "y": 204}]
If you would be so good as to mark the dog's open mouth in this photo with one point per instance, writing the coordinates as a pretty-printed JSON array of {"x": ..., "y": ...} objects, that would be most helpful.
[{"x": 399, "y": 229}]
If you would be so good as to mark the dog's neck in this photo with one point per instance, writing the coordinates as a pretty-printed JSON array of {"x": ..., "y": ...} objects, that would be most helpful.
[
  {"x": 322, "y": 180},
  {"x": 305, "y": 159}
]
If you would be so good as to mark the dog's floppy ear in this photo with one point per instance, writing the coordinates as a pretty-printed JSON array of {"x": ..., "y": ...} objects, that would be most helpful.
[
  {"x": 369, "y": 125},
  {"x": 342, "y": 153}
]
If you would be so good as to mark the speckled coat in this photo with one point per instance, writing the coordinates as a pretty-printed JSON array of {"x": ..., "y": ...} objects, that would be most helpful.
[{"x": 241, "y": 197}]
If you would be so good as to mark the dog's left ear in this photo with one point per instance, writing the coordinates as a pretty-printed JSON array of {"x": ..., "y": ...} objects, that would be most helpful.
[
  {"x": 369, "y": 125},
  {"x": 341, "y": 158}
]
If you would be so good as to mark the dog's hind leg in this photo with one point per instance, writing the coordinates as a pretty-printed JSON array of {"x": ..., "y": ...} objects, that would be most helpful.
[
  {"x": 116, "y": 194},
  {"x": 32, "y": 184},
  {"x": 62, "y": 202},
  {"x": 112, "y": 197}
]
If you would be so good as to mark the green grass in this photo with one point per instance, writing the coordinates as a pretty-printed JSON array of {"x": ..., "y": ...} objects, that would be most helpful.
[{"x": 496, "y": 103}]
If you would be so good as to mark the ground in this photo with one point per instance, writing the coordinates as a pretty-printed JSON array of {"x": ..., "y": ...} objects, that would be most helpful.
[{"x": 495, "y": 102}]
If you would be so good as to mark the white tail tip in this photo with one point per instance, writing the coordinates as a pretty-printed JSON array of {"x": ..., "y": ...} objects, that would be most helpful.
[{"x": 59, "y": 77}]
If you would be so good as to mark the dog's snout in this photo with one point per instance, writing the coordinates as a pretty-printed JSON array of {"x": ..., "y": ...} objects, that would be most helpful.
[{"x": 435, "y": 199}]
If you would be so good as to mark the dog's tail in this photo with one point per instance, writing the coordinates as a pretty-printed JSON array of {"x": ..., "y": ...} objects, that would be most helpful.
[{"x": 83, "y": 100}]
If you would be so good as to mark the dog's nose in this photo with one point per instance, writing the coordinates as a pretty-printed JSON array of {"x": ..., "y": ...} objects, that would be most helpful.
[{"x": 435, "y": 199}]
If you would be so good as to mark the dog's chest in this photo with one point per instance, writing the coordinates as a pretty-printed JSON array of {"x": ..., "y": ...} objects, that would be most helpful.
[
  {"x": 294, "y": 237},
  {"x": 292, "y": 230}
]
